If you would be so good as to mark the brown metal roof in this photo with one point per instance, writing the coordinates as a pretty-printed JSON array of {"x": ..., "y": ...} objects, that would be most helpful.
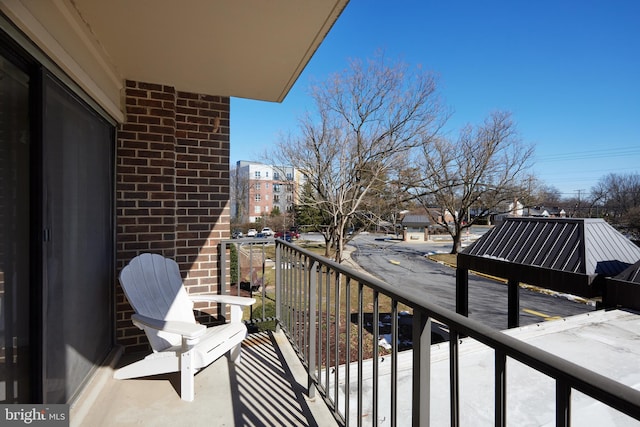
[
  {"x": 630, "y": 274},
  {"x": 565, "y": 254},
  {"x": 588, "y": 246},
  {"x": 624, "y": 289}
]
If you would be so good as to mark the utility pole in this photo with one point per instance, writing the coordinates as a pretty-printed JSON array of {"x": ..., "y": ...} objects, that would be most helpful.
[{"x": 579, "y": 191}]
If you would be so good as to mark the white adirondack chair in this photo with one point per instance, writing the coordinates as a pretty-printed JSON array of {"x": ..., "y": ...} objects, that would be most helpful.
[{"x": 164, "y": 310}]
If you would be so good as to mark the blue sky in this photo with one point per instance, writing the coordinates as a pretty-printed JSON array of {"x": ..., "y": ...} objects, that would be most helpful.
[{"x": 569, "y": 71}]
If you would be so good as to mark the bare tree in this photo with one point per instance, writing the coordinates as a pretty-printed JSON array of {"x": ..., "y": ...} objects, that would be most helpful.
[
  {"x": 483, "y": 171},
  {"x": 538, "y": 193},
  {"x": 618, "y": 193},
  {"x": 239, "y": 189},
  {"x": 367, "y": 116}
]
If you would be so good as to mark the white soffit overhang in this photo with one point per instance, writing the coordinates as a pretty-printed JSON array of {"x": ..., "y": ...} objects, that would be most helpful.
[{"x": 252, "y": 49}]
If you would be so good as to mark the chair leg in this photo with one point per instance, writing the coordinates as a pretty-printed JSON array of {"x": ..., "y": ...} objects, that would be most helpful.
[
  {"x": 153, "y": 364},
  {"x": 234, "y": 354},
  {"x": 187, "y": 380}
]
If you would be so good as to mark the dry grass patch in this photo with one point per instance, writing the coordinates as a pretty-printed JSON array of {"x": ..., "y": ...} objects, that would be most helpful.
[{"x": 449, "y": 259}]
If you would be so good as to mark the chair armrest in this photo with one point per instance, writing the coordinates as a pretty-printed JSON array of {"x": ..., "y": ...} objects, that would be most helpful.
[
  {"x": 187, "y": 330},
  {"x": 233, "y": 301},
  {"x": 223, "y": 299}
]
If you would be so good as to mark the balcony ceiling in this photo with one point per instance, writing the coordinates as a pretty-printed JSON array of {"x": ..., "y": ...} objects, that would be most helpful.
[{"x": 252, "y": 49}]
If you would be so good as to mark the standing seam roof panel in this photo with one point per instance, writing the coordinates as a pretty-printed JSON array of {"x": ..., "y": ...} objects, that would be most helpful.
[
  {"x": 517, "y": 238},
  {"x": 542, "y": 251},
  {"x": 595, "y": 248},
  {"x": 534, "y": 246},
  {"x": 547, "y": 246},
  {"x": 572, "y": 262},
  {"x": 525, "y": 246},
  {"x": 495, "y": 244},
  {"x": 553, "y": 251},
  {"x": 503, "y": 249},
  {"x": 538, "y": 243},
  {"x": 565, "y": 247}
]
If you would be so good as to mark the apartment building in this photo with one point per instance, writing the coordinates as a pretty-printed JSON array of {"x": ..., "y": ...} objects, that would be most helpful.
[{"x": 260, "y": 189}]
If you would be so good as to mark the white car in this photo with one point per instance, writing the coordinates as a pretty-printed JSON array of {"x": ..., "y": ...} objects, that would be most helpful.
[
  {"x": 267, "y": 232},
  {"x": 252, "y": 232}
]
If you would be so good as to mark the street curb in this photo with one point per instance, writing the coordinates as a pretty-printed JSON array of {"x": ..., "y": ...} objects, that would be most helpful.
[{"x": 587, "y": 301}]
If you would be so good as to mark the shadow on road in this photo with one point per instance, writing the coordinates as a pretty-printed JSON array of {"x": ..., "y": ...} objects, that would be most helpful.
[{"x": 405, "y": 329}]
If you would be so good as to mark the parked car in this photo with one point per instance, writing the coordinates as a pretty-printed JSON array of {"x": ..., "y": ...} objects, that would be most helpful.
[
  {"x": 293, "y": 231},
  {"x": 252, "y": 232},
  {"x": 285, "y": 235},
  {"x": 267, "y": 232},
  {"x": 237, "y": 234}
]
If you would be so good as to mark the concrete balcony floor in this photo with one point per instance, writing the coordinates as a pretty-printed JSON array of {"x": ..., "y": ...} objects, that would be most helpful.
[{"x": 268, "y": 388}]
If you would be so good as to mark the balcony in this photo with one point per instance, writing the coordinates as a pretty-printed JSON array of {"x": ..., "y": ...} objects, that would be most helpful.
[
  {"x": 323, "y": 365},
  {"x": 267, "y": 388}
]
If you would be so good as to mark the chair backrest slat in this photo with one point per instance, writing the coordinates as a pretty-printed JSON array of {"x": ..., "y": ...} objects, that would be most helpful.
[{"x": 153, "y": 286}]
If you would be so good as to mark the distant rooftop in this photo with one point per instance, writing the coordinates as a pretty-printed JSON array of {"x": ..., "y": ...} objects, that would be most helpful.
[{"x": 415, "y": 220}]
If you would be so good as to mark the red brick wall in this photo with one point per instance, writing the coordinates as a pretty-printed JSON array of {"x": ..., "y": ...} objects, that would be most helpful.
[{"x": 172, "y": 188}]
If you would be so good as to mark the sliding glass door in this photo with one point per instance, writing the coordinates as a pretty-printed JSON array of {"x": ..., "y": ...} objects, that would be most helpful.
[
  {"x": 15, "y": 277},
  {"x": 77, "y": 187},
  {"x": 56, "y": 234}
]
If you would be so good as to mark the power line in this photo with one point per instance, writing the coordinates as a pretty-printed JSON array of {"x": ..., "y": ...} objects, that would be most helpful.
[{"x": 590, "y": 154}]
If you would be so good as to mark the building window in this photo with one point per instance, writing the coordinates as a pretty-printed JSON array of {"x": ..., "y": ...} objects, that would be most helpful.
[
  {"x": 257, "y": 174},
  {"x": 266, "y": 185},
  {"x": 276, "y": 198},
  {"x": 276, "y": 188},
  {"x": 289, "y": 175},
  {"x": 266, "y": 197},
  {"x": 276, "y": 175},
  {"x": 257, "y": 198},
  {"x": 257, "y": 186},
  {"x": 256, "y": 209},
  {"x": 266, "y": 174}
]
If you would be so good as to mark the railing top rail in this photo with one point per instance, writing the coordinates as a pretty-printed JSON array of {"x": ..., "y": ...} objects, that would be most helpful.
[{"x": 608, "y": 391}]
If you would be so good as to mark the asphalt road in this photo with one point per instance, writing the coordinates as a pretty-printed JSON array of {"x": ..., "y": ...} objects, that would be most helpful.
[{"x": 390, "y": 259}]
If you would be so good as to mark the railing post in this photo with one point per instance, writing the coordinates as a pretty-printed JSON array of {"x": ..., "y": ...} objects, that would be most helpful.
[
  {"x": 223, "y": 277},
  {"x": 563, "y": 404},
  {"x": 394, "y": 363},
  {"x": 278, "y": 280},
  {"x": 500, "y": 385},
  {"x": 223, "y": 263},
  {"x": 513, "y": 302},
  {"x": 454, "y": 379},
  {"x": 313, "y": 301},
  {"x": 462, "y": 291},
  {"x": 360, "y": 351},
  {"x": 376, "y": 353},
  {"x": 421, "y": 369},
  {"x": 347, "y": 368}
]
